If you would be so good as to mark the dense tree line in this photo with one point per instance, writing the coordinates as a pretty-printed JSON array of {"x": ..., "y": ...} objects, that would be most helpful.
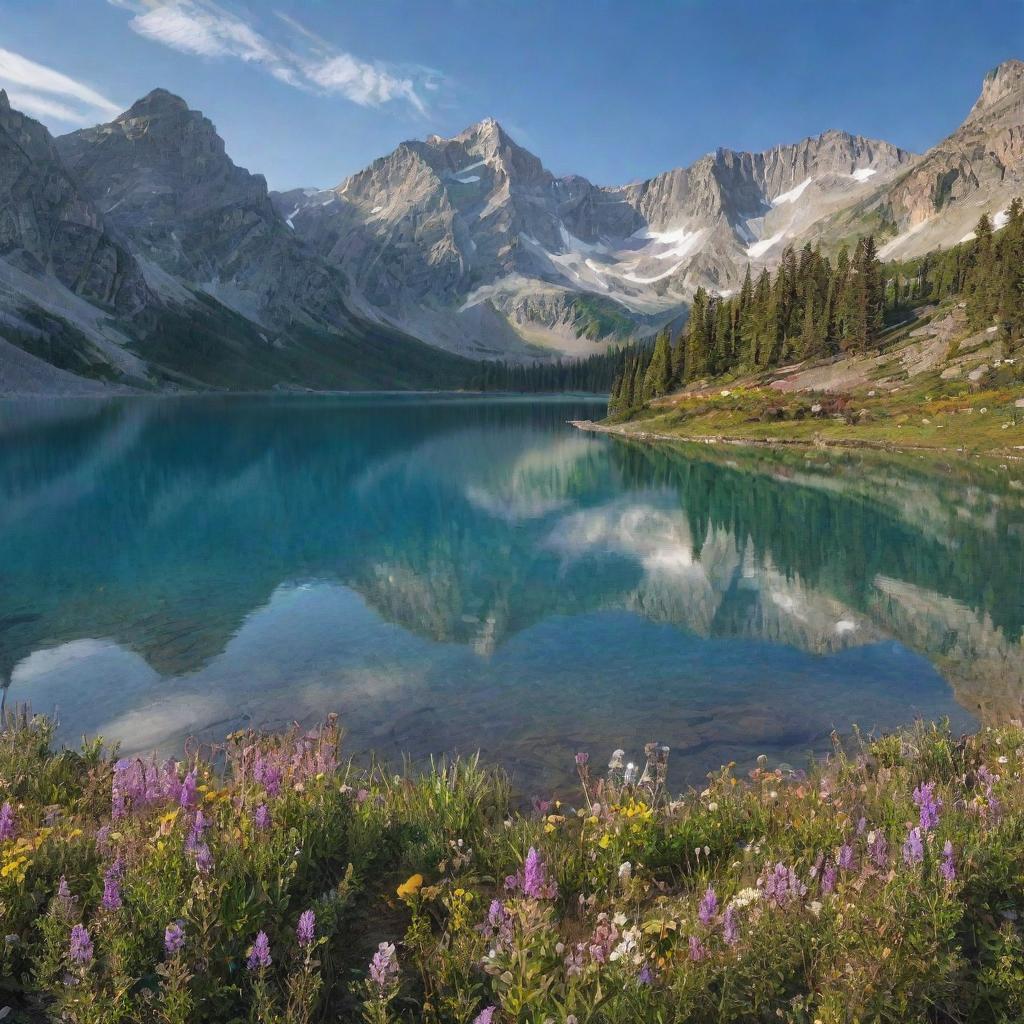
[
  {"x": 813, "y": 308},
  {"x": 987, "y": 273},
  {"x": 594, "y": 373},
  {"x": 809, "y": 308}
]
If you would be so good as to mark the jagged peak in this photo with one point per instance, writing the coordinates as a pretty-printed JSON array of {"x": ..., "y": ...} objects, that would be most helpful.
[
  {"x": 488, "y": 131},
  {"x": 487, "y": 126},
  {"x": 158, "y": 101},
  {"x": 1003, "y": 80},
  {"x": 5, "y": 103}
]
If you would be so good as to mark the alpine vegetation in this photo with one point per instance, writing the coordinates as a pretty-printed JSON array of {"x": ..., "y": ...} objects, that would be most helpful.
[{"x": 270, "y": 880}]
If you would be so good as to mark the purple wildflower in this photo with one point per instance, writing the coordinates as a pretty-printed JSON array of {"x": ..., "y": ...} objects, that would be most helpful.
[
  {"x": 928, "y": 804},
  {"x": 124, "y": 786},
  {"x": 988, "y": 779},
  {"x": 384, "y": 966},
  {"x": 782, "y": 885},
  {"x": 204, "y": 859},
  {"x": 268, "y": 774},
  {"x": 862, "y": 824},
  {"x": 646, "y": 975},
  {"x": 174, "y": 938},
  {"x": 81, "y": 945},
  {"x": 913, "y": 848},
  {"x": 305, "y": 932},
  {"x": 845, "y": 858},
  {"x": 8, "y": 826},
  {"x": 574, "y": 960},
  {"x": 533, "y": 879},
  {"x": 582, "y": 759},
  {"x": 828, "y": 879},
  {"x": 947, "y": 868},
  {"x": 697, "y": 950},
  {"x": 485, "y": 1016},
  {"x": 708, "y": 907},
  {"x": 878, "y": 850},
  {"x": 261, "y": 819},
  {"x": 187, "y": 793},
  {"x": 730, "y": 928},
  {"x": 64, "y": 893},
  {"x": 496, "y": 914},
  {"x": 112, "y": 886},
  {"x": 194, "y": 839},
  {"x": 259, "y": 953},
  {"x": 604, "y": 939}
]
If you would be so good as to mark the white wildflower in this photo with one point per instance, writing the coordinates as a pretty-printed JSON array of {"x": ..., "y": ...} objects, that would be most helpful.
[{"x": 745, "y": 897}]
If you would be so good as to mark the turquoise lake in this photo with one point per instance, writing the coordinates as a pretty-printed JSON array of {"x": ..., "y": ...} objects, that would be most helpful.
[{"x": 453, "y": 574}]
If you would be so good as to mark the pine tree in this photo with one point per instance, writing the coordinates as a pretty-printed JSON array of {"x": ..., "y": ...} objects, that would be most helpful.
[
  {"x": 627, "y": 399},
  {"x": 679, "y": 361},
  {"x": 1011, "y": 273},
  {"x": 658, "y": 378},
  {"x": 809, "y": 341},
  {"x": 697, "y": 348},
  {"x": 640, "y": 370},
  {"x": 982, "y": 281},
  {"x": 615, "y": 397}
]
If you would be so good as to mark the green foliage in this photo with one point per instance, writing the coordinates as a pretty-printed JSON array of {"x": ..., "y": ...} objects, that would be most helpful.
[
  {"x": 779, "y": 895},
  {"x": 814, "y": 308},
  {"x": 986, "y": 272},
  {"x": 597, "y": 373},
  {"x": 600, "y": 317}
]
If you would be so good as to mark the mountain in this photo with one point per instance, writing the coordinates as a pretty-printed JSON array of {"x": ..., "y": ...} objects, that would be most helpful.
[
  {"x": 978, "y": 169},
  {"x": 138, "y": 253},
  {"x": 472, "y": 244},
  {"x": 161, "y": 178},
  {"x": 59, "y": 264}
]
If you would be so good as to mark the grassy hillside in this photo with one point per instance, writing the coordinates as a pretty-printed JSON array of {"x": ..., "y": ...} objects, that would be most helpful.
[{"x": 934, "y": 382}]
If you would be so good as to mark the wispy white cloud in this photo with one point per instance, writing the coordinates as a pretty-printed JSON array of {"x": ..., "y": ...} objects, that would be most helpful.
[
  {"x": 361, "y": 82},
  {"x": 42, "y": 106},
  {"x": 205, "y": 29},
  {"x": 208, "y": 32},
  {"x": 44, "y": 92}
]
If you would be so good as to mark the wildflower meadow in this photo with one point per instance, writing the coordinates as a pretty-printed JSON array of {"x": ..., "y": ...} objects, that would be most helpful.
[{"x": 271, "y": 880}]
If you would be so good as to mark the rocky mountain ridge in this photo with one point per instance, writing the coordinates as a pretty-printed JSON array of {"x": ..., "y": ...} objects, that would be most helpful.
[
  {"x": 462, "y": 240},
  {"x": 446, "y": 237},
  {"x": 138, "y": 252}
]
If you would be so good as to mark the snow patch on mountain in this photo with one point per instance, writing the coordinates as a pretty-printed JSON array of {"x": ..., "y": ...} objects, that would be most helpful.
[
  {"x": 793, "y": 194},
  {"x": 863, "y": 173},
  {"x": 760, "y": 248}
]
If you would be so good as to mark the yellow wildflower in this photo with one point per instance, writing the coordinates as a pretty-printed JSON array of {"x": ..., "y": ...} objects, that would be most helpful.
[{"x": 410, "y": 886}]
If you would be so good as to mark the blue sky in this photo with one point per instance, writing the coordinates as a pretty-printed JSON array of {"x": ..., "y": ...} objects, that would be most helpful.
[{"x": 308, "y": 92}]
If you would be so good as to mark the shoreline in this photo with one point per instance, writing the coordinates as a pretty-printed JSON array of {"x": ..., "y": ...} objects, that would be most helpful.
[
  {"x": 106, "y": 396},
  {"x": 653, "y": 437}
]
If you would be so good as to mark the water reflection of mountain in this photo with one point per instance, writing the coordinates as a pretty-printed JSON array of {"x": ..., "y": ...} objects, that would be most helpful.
[
  {"x": 931, "y": 555},
  {"x": 162, "y": 525}
]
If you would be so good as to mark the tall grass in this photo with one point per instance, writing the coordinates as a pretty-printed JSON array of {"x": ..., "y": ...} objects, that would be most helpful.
[{"x": 271, "y": 880}]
